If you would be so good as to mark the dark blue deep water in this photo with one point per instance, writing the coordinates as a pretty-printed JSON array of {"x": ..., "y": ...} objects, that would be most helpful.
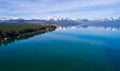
[{"x": 71, "y": 49}]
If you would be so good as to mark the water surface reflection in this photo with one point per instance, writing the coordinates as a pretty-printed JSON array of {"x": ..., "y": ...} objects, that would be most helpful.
[{"x": 71, "y": 48}]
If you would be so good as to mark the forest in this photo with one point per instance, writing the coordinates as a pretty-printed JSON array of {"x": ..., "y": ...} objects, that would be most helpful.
[{"x": 17, "y": 30}]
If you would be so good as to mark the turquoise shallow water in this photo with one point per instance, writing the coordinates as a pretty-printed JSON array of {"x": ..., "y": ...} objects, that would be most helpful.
[{"x": 76, "y": 49}]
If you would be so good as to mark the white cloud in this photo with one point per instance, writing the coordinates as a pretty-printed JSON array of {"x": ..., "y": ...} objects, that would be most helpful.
[{"x": 34, "y": 7}]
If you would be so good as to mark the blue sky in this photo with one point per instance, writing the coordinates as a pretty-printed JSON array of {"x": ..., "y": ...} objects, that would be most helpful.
[{"x": 63, "y": 8}]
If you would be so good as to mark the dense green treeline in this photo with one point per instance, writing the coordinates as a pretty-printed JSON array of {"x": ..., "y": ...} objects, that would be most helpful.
[{"x": 12, "y": 30}]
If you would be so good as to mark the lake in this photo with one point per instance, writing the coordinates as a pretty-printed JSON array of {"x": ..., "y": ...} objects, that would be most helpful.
[{"x": 65, "y": 49}]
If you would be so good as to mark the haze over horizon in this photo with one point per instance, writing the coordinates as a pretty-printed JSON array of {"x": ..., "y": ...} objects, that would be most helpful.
[{"x": 65, "y": 8}]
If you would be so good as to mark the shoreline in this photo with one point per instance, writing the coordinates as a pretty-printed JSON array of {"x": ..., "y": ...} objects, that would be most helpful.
[
  {"x": 47, "y": 29},
  {"x": 26, "y": 34}
]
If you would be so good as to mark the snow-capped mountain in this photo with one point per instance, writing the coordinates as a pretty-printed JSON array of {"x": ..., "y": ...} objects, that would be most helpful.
[
  {"x": 107, "y": 19},
  {"x": 57, "y": 18},
  {"x": 61, "y": 20},
  {"x": 64, "y": 21}
]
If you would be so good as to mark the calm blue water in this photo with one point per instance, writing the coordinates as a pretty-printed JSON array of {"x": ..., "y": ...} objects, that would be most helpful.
[{"x": 76, "y": 49}]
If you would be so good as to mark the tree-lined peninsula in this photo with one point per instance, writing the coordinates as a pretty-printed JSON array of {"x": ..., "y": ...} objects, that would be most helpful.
[{"x": 17, "y": 30}]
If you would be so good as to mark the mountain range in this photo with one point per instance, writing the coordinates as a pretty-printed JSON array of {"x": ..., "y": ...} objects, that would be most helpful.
[{"x": 106, "y": 22}]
